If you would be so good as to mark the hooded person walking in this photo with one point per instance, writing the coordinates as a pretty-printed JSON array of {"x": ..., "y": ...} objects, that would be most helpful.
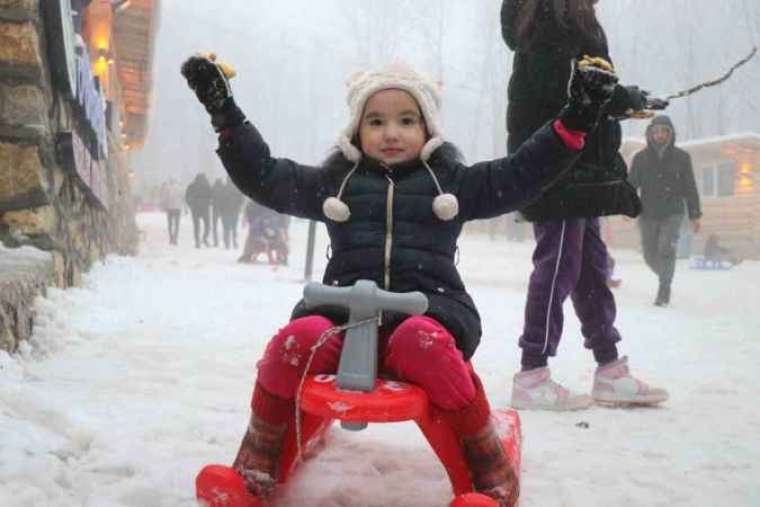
[{"x": 664, "y": 176}]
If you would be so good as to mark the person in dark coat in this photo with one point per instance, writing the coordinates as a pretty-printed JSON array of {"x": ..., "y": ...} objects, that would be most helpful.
[
  {"x": 198, "y": 199},
  {"x": 217, "y": 205},
  {"x": 230, "y": 204},
  {"x": 394, "y": 198},
  {"x": 664, "y": 175},
  {"x": 570, "y": 257}
]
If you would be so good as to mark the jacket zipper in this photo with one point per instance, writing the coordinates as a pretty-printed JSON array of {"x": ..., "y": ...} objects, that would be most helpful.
[{"x": 388, "y": 232}]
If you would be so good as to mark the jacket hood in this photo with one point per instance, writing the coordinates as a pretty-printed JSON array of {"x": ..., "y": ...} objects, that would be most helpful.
[{"x": 661, "y": 119}]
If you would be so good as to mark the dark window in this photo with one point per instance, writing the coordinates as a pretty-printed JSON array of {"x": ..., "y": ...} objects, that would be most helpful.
[
  {"x": 726, "y": 175},
  {"x": 708, "y": 181},
  {"x": 717, "y": 180}
]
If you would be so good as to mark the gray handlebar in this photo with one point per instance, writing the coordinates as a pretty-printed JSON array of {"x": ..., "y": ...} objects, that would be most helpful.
[
  {"x": 315, "y": 294},
  {"x": 364, "y": 300}
]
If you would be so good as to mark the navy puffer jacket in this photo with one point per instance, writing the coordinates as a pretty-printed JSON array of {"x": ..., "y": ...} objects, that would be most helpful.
[{"x": 393, "y": 236}]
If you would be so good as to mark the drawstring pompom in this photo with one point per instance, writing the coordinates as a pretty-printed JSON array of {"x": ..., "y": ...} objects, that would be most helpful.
[
  {"x": 336, "y": 210},
  {"x": 446, "y": 207}
]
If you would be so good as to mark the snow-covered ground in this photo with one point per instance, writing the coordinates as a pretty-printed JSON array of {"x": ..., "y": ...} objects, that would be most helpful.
[{"x": 136, "y": 380}]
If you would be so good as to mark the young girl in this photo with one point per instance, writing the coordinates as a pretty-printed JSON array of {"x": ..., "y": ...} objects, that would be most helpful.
[
  {"x": 570, "y": 258},
  {"x": 394, "y": 198}
]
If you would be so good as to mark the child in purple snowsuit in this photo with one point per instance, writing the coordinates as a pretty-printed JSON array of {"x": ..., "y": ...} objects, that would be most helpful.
[{"x": 570, "y": 258}]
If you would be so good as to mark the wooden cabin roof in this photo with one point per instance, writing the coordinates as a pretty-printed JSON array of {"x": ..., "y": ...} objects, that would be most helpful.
[{"x": 741, "y": 146}]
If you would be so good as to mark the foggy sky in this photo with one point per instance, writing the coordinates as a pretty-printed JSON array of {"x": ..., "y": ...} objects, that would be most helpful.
[{"x": 293, "y": 58}]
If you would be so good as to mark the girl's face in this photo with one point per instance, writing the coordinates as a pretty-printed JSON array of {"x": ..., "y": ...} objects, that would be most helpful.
[{"x": 392, "y": 127}]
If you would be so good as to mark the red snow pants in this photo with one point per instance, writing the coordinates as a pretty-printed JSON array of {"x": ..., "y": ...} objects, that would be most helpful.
[{"x": 419, "y": 351}]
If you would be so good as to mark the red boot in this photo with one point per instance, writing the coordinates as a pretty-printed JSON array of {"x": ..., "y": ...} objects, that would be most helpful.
[
  {"x": 492, "y": 473},
  {"x": 259, "y": 455}
]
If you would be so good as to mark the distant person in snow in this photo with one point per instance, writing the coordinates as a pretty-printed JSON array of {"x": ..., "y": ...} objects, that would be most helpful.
[
  {"x": 717, "y": 255},
  {"x": 282, "y": 245},
  {"x": 570, "y": 257},
  {"x": 217, "y": 204},
  {"x": 231, "y": 201},
  {"x": 250, "y": 214},
  {"x": 612, "y": 282},
  {"x": 394, "y": 197},
  {"x": 198, "y": 198},
  {"x": 171, "y": 203},
  {"x": 266, "y": 235},
  {"x": 663, "y": 174},
  {"x": 515, "y": 227}
]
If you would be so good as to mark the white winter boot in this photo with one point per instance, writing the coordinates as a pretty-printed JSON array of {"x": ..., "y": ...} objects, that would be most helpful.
[
  {"x": 614, "y": 385},
  {"x": 535, "y": 390}
]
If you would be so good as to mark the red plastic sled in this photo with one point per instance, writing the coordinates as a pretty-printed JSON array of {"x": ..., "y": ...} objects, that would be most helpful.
[{"x": 391, "y": 401}]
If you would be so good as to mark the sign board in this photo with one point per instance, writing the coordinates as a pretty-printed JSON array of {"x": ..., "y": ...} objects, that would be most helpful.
[
  {"x": 91, "y": 103},
  {"x": 76, "y": 158},
  {"x": 62, "y": 44}
]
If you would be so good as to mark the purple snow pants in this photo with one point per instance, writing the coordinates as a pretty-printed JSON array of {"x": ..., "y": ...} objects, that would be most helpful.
[{"x": 570, "y": 259}]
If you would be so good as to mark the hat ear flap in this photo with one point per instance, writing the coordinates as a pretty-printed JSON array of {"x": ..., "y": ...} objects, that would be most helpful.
[
  {"x": 349, "y": 149},
  {"x": 430, "y": 146}
]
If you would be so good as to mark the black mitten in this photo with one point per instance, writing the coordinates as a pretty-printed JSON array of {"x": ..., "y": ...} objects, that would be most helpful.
[
  {"x": 654, "y": 103},
  {"x": 636, "y": 98},
  {"x": 210, "y": 82},
  {"x": 591, "y": 86}
]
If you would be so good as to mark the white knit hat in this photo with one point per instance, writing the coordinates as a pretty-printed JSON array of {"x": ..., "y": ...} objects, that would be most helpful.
[{"x": 427, "y": 95}]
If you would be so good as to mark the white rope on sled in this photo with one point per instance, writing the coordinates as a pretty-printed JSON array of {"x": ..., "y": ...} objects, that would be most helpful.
[{"x": 321, "y": 341}]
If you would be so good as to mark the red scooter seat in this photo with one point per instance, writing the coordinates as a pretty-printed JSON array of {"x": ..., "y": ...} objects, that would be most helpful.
[{"x": 390, "y": 401}]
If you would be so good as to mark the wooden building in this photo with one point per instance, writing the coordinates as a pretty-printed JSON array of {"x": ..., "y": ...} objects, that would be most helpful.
[
  {"x": 75, "y": 83},
  {"x": 120, "y": 35},
  {"x": 727, "y": 172}
]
